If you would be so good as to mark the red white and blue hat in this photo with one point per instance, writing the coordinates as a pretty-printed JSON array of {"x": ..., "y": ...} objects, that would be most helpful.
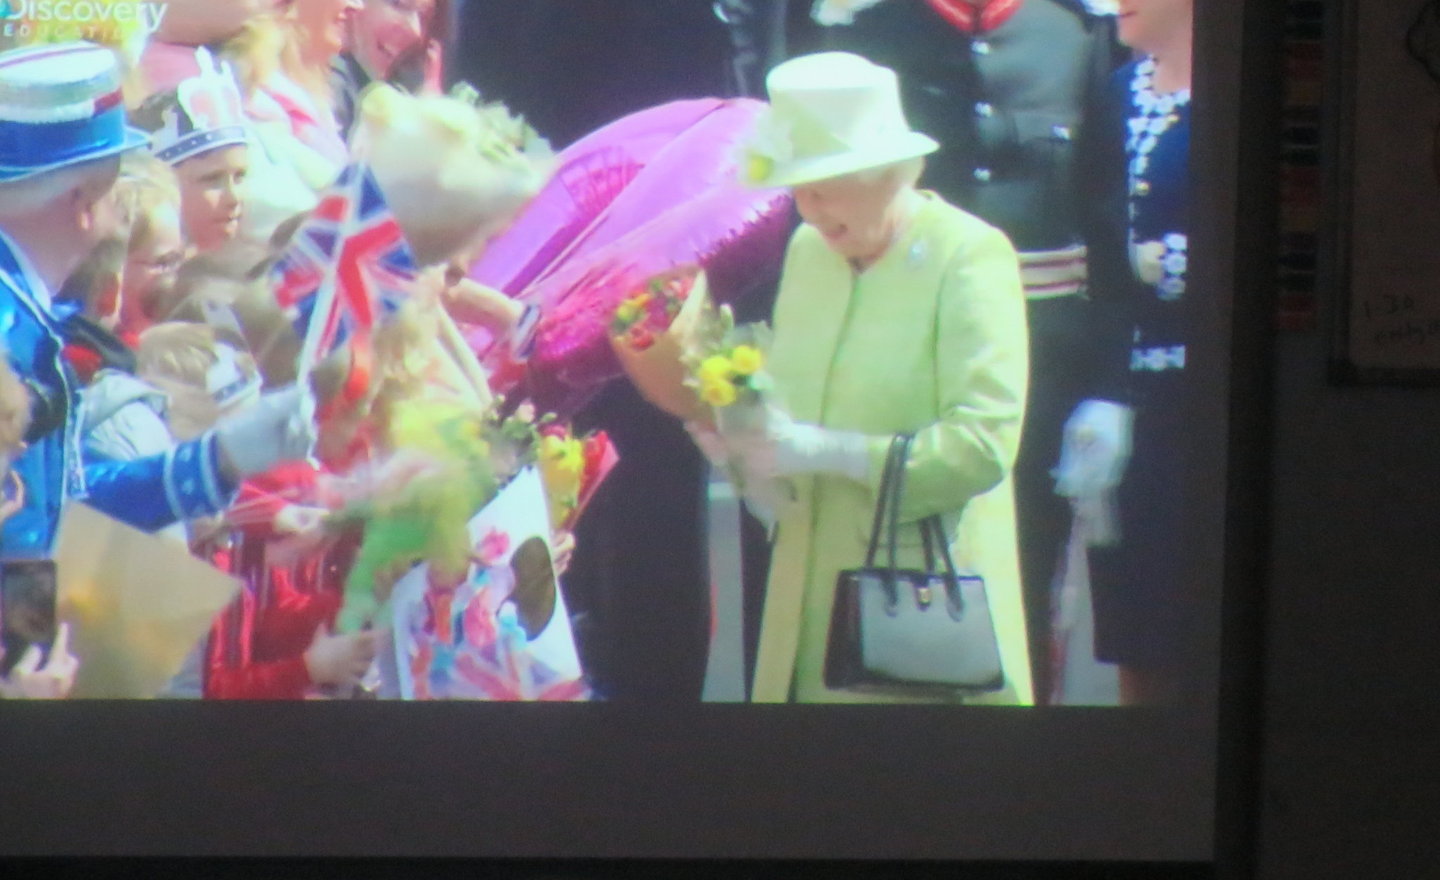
[
  {"x": 208, "y": 114},
  {"x": 60, "y": 105}
]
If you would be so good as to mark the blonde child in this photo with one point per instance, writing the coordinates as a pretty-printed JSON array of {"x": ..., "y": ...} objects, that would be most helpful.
[
  {"x": 201, "y": 132},
  {"x": 156, "y": 249}
]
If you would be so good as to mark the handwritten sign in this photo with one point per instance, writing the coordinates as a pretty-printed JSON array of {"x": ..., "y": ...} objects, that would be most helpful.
[{"x": 1390, "y": 53}]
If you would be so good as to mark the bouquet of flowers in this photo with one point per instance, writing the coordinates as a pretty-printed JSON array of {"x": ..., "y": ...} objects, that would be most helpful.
[
  {"x": 571, "y": 468},
  {"x": 725, "y": 366},
  {"x": 652, "y": 309},
  {"x": 650, "y": 333},
  {"x": 447, "y": 461}
]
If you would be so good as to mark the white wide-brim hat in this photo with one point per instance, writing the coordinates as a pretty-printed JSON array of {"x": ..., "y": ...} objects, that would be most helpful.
[
  {"x": 830, "y": 114},
  {"x": 60, "y": 106}
]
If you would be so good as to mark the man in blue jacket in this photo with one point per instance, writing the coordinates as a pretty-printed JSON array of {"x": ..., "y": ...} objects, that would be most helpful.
[{"x": 62, "y": 133}]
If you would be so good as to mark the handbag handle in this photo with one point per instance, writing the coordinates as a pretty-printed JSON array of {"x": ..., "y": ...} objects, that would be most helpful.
[
  {"x": 932, "y": 528},
  {"x": 901, "y": 450},
  {"x": 887, "y": 497}
]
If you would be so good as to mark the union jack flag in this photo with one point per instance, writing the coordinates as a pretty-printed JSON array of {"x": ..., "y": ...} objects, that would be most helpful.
[{"x": 353, "y": 231}]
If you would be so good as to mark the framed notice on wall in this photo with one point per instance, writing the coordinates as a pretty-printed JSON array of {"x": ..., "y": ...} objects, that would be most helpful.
[{"x": 1385, "y": 74}]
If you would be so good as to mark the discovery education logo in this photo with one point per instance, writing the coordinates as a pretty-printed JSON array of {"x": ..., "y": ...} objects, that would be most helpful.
[{"x": 105, "y": 21}]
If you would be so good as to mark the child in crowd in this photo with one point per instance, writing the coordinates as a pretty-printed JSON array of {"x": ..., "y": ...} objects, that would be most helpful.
[
  {"x": 200, "y": 131},
  {"x": 272, "y": 642},
  {"x": 109, "y": 299},
  {"x": 89, "y": 306},
  {"x": 151, "y": 192}
]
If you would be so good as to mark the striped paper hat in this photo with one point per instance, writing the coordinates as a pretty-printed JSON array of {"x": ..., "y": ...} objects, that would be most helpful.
[{"x": 60, "y": 105}]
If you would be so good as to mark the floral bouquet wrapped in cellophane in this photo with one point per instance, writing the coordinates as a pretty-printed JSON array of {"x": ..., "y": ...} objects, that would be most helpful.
[
  {"x": 650, "y": 333},
  {"x": 443, "y": 460},
  {"x": 725, "y": 366},
  {"x": 571, "y": 468}
]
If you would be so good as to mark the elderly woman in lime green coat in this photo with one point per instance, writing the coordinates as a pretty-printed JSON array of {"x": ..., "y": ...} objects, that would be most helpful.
[{"x": 897, "y": 313}]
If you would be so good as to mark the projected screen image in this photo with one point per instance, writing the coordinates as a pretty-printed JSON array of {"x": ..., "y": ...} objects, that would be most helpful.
[{"x": 831, "y": 352}]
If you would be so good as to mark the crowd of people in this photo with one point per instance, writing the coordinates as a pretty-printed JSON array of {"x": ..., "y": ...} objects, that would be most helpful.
[{"x": 989, "y": 253}]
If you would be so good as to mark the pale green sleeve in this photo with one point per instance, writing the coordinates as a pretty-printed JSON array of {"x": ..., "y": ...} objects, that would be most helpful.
[{"x": 982, "y": 366}]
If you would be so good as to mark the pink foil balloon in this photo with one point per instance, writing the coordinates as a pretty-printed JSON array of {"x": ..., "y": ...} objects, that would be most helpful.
[
  {"x": 572, "y": 344},
  {"x": 589, "y": 175},
  {"x": 654, "y": 190}
]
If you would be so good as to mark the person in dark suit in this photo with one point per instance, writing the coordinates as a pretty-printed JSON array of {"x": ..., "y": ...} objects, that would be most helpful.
[
  {"x": 639, "y": 579},
  {"x": 1012, "y": 90}
]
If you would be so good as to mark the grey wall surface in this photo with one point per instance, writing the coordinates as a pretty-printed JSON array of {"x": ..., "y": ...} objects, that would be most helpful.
[{"x": 1353, "y": 630}]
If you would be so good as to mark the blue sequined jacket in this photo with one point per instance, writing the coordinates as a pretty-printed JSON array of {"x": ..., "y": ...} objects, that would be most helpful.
[{"x": 148, "y": 493}]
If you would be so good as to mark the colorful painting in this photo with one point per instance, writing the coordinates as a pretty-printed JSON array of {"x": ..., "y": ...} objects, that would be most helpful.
[{"x": 504, "y": 634}]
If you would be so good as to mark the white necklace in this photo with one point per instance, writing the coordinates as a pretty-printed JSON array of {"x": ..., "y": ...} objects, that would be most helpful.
[{"x": 1155, "y": 115}]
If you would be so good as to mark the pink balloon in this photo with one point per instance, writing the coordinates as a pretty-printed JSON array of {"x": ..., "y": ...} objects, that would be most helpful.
[
  {"x": 590, "y": 174},
  {"x": 655, "y": 190},
  {"x": 697, "y": 160},
  {"x": 572, "y": 344}
]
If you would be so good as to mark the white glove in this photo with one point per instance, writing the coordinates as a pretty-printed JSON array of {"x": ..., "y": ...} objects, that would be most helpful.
[
  {"x": 791, "y": 448},
  {"x": 1095, "y": 450},
  {"x": 273, "y": 429},
  {"x": 761, "y": 493}
]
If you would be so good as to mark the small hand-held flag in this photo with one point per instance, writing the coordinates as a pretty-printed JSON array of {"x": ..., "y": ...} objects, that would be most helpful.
[{"x": 347, "y": 268}]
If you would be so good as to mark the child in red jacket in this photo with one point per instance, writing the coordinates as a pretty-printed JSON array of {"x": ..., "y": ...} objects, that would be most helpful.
[{"x": 274, "y": 641}]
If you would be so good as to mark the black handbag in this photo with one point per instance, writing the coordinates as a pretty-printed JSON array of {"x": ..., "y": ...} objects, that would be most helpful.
[{"x": 902, "y": 631}]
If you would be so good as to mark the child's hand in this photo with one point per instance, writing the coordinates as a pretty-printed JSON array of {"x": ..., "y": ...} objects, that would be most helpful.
[
  {"x": 339, "y": 660},
  {"x": 562, "y": 547},
  {"x": 301, "y": 521},
  {"x": 53, "y": 681}
]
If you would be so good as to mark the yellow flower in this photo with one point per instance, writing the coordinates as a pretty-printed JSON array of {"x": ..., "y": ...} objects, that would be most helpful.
[
  {"x": 747, "y": 360},
  {"x": 718, "y": 393},
  {"x": 564, "y": 455},
  {"x": 631, "y": 311},
  {"x": 758, "y": 168},
  {"x": 716, "y": 368}
]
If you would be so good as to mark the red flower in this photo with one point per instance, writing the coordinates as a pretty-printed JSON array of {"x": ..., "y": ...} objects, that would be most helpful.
[
  {"x": 492, "y": 548},
  {"x": 641, "y": 337},
  {"x": 595, "y": 446}
]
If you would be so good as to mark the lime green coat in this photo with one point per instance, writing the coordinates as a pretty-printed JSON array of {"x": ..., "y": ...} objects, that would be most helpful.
[{"x": 930, "y": 339}]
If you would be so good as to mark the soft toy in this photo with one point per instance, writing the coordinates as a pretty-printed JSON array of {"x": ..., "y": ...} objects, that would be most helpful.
[{"x": 439, "y": 476}]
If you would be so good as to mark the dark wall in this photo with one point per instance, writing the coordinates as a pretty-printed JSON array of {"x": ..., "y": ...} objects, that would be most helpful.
[
  {"x": 607, "y": 65},
  {"x": 1353, "y": 632}
]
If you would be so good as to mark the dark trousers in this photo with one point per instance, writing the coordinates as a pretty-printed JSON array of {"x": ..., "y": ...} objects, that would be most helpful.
[
  {"x": 1058, "y": 343},
  {"x": 638, "y": 584}
]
